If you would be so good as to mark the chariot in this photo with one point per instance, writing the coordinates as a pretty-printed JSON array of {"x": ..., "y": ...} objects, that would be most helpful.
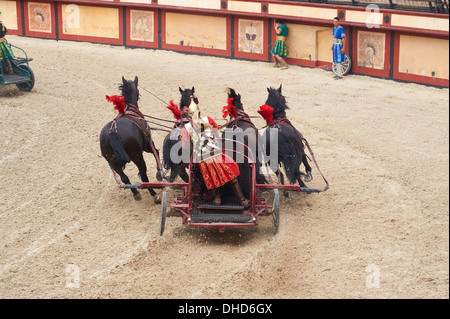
[
  {"x": 195, "y": 209},
  {"x": 22, "y": 77}
]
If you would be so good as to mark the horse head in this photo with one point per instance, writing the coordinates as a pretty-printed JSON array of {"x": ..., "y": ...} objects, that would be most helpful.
[
  {"x": 277, "y": 101},
  {"x": 236, "y": 99},
  {"x": 186, "y": 95},
  {"x": 130, "y": 91}
]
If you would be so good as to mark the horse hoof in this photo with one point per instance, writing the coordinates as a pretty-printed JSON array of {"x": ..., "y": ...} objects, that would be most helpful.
[
  {"x": 157, "y": 199},
  {"x": 308, "y": 177},
  {"x": 137, "y": 196},
  {"x": 159, "y": 176}
]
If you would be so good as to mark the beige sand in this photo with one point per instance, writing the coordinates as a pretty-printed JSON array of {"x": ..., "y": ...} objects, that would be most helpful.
[{"x": 68, "y": 231}]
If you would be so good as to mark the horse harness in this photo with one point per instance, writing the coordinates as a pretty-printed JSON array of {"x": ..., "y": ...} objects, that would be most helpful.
[
  {"x": 242, "y": 116},
  {"x": 284, "y": 120},
  {"x": 181, "y": 123},
  {"x": 132, "y": 114}
]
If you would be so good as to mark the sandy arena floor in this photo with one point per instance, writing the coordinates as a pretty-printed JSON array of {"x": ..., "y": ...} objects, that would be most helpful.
[{"x": 68, "y": 231}]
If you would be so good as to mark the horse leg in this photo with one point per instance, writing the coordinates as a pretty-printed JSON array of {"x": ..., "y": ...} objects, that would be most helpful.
[
  {"x": 183, "y": 174},
  {"x": 299, "y": 179},
  {"x": 281, "y": 176},
  {"x": 124, "y": 178},
  {"x": 260, "y": 177},
  {"x": 140, "y": 163},
  {"x": 159, "y": 173},
  {"x": 308, "y": 169}
]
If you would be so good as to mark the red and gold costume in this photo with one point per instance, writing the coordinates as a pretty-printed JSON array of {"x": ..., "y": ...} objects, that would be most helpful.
[{"x": 216, "y": 167}]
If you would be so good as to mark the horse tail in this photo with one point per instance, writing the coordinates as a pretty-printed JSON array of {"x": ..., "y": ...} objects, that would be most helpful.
[
  {"x": 120, "y": 156},
  {"x": 291, "y": 164}
]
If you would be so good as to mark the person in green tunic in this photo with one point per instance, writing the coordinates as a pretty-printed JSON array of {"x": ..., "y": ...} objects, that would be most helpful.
[
  {"x": 5, "y": 50},
  {"x": 279, "y": 49}
]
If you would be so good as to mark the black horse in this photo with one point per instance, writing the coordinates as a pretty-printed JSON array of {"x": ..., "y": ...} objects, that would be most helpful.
[
  {"x": 172, "y": 142},
  {"x": 241, "y": 130},
  {"x": 291, "y": 150},
  {"x": 126, "y": 138}
]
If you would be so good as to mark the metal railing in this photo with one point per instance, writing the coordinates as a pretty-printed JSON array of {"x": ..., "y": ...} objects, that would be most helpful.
[{"x": 430, "y": 6}]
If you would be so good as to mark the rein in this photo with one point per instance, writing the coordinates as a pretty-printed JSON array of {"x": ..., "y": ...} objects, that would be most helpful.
[
  {"x": 245, "y": 117},
  {"x": 159, "y": 129},
  {"x": 133, "y": 112},
  {"x": 148, "y": 121},
  {"x": 157, "y": 118},
  {"x": 154, "y": 95}
]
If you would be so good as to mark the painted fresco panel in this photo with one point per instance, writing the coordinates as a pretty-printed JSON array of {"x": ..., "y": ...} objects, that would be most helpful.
[
  {"x": 371, "y": 49},
  {"x": 40, "y": 17},
  {"x": 251, "y": 36},
  {"x": 424, "y": 56},
  {"x": 142, "y": 25},
  {"x": 199, "y": 31},
  {"x": 90, "y": 21},
  {"x": 8, "y": 14}
]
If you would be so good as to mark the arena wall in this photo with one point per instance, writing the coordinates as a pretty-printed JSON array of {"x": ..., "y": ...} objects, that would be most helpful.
[{"x": 400, "y": 45}]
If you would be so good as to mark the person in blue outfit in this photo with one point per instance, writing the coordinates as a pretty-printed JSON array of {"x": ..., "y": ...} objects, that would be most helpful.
[{"x": 338, "y": 48}]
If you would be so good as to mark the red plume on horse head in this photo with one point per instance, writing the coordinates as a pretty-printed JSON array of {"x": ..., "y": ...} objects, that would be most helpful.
[
  {"x": 118, "y": 102},
  {"x": 266, "y": 112},
  {"x": 175, "y": 110},
  {"x": 229, "y": 108}
]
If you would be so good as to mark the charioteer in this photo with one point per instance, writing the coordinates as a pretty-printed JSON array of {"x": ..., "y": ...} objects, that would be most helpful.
[
  {"x": 216, "y": 167},
  {"x": 6, "y": 53}
]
